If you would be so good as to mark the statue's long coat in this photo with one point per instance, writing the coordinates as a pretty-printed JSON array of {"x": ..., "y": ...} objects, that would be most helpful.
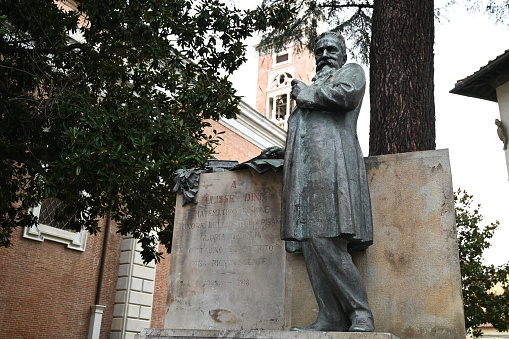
[{"x": 325, "y": 189}]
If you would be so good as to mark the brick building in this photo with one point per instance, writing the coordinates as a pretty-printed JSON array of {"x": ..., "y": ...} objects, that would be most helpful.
[{"x": 47, "y": 287}]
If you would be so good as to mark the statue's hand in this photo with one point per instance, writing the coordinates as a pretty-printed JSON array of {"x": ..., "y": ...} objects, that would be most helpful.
[
  {"x": 297, "y": 87},
  {"x": 273, "y": 152}
]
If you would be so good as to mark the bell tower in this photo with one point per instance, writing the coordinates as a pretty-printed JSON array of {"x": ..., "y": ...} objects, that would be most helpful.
[{"x": 275, "y": 74}]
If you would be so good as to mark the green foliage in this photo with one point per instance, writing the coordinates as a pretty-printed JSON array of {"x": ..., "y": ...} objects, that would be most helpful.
[
  {"x": 481, "y": 305},
  {"x": 102, "y": 121},
  {"x": 499, "y": 10},
  {"x": 3, "y": 31}
]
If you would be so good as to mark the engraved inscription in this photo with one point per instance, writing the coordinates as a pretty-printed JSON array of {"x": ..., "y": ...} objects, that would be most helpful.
[
  {"x": 219, "y": 199},
  {"x": 236, "y": 231},
  {"x": 228, "y": 243},
  {"x": 252, "y": 197}
]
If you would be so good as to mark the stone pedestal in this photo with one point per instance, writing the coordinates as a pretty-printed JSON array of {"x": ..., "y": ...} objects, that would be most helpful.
[
  {"x": 412, "y": 271},
  {"x": 230, "y": 272},
  {"x": 228, "y": 261},
  {"x": 159, "y": 333}
]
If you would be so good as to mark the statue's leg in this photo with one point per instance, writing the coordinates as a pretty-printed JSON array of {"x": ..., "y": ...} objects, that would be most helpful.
[
  {"x": 330, "y": 313},
  {"x": 342, "y": 275}
]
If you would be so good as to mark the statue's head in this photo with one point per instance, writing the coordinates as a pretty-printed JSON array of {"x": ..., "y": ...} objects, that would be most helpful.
[
  {"x": 330, "y": 50},
  {"x": 498, "y": 123}
]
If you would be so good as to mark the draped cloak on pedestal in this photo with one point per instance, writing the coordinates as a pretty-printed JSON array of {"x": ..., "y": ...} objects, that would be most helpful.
[{"x": 325, "y": 188}]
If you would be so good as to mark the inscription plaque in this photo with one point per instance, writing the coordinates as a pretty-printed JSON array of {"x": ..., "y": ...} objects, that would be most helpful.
[{"x": 227, "y": 257}]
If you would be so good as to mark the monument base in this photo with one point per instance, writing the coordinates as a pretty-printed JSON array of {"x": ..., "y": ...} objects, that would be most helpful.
[
  {"x": 163, "y": 333},
  {"x": 230, "y": 272}
]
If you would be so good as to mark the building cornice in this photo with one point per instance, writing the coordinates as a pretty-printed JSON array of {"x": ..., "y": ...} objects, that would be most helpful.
[{"x": 255, "y": 128}]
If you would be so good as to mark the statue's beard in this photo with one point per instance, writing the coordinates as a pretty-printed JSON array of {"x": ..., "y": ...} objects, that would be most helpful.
[{"x": 326, "y": 62}]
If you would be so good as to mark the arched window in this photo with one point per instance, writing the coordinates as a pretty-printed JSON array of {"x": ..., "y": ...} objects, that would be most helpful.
[
  {"x": 279, "y": 102},
  {"x": 281, "y": 80}
]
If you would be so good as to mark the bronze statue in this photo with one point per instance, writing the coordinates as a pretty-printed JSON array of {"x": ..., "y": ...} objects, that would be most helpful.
[{"x": 325, "y": 203}]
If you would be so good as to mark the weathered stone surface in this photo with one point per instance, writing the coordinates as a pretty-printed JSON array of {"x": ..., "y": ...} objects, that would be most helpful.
[
  {"x": 300, "y": 299},
  {"x": 227, "y": 268},
  {"x": 157, "y": 333},
  {"x": 412, "y": 271}
]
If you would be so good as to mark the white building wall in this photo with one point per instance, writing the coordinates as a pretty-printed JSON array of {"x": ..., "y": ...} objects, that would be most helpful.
[{"x": 503, "y": 105}]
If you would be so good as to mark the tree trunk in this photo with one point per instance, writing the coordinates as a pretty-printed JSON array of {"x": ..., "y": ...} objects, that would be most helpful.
[{"x": 401, "y": 77}]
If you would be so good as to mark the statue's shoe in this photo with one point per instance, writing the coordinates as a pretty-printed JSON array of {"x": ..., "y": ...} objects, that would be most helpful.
[{"x": 362, "y": 325}]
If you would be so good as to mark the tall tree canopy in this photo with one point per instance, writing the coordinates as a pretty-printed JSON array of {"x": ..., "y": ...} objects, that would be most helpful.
[
  {"x": 102, "y": 102},
  {"x": 482, "y": 304}
]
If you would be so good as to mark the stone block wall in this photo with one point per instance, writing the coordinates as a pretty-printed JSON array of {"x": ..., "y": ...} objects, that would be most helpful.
[
  {"x": 135, "y": 292},
  {"x": 411, "y": 272}
]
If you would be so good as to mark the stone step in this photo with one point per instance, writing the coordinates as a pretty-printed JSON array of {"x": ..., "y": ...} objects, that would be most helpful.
[{"x": 162, "y": 333}]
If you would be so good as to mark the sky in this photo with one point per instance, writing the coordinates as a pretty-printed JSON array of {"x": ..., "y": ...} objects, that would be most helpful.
[{"x": 466, "y": 126}]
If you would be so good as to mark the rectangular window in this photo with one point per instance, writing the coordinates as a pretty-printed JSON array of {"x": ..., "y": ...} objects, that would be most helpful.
[
  {"x": 47, "y": 213},
  {"x": 271, "y": 107},
  {"x": 50, "y": 230},
  {"x": 281, "y": 58},
  {"x": 281, "y": 107}
]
